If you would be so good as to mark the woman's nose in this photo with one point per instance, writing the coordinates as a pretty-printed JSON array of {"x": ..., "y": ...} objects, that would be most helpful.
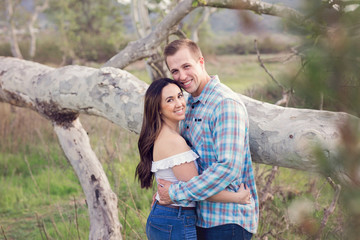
[{"x": 177, "y": 102}]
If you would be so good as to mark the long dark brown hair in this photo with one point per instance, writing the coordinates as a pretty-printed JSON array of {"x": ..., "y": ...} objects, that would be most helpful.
[{"x": 150, "y": 129}]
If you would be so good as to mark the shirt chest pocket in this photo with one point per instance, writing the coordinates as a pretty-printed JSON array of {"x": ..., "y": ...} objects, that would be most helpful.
[{"x": 194, "y": 134}]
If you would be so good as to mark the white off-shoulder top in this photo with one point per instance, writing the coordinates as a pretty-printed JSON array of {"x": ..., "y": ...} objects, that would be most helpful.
[{"x": 163, "y": 168}]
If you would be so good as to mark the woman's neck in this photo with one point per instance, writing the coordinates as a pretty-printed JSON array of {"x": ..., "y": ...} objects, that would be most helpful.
[{"x": 174, "y": 126}]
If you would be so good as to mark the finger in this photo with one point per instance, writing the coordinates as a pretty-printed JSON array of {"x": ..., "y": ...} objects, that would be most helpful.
[
  {"x": 162, "y": 202},
  {"x": 241, "y": 186},
  {"x": 163, "y": 182}
]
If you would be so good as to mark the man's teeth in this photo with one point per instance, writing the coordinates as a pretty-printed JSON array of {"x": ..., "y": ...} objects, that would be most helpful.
[{"x": 186, "y": 83}]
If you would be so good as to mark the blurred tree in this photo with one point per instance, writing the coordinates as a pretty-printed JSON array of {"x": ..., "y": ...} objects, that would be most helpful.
[
  {"x": 90, "y": 29},
  {"x": 17, "y": 16},
  {"x": 330, "y": 80},
  {"x": 140, "y": 13},
  {"x": 11, "y": 27},
  {"x": 40, "y": 6},
  {"x": 331, "y": 56}
]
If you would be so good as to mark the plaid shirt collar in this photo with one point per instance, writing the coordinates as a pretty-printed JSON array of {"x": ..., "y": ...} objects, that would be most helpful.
[{"x": 207, "y": 89}]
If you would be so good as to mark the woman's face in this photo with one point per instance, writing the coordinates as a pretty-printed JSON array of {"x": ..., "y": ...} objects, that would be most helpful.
[{"x": 172, "y": 106}]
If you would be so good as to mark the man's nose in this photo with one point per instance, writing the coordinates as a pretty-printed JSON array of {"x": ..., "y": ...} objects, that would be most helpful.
[{"x": 182, "y": 75}]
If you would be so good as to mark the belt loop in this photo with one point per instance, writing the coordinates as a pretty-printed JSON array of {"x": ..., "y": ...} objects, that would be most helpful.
[{"x": 179, "y": 213}]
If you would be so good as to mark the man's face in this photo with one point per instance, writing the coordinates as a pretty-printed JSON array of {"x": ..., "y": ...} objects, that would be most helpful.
[{"x": 189, "y": 72}]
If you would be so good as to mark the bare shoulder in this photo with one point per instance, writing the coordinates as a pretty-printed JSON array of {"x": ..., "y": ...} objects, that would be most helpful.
[{"x": 168, "y": 144}]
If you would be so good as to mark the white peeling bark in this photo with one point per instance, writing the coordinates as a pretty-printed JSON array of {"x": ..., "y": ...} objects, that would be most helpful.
[
  {"x": 101, "y": 200},
  {"x": 60, "y": 93},
  {"x": 286, "y": 137},
  {"x": 278, "y": 136}
]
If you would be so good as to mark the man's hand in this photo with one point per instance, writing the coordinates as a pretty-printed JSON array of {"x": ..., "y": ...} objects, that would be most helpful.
[{"x": 163, "y": 190}]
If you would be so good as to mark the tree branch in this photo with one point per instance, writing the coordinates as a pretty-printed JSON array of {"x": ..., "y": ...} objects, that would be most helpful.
[
  {"x": 279, "y": 136},
  {"x": 146, "y": 46},
  {"x": 101, "y": 200}
]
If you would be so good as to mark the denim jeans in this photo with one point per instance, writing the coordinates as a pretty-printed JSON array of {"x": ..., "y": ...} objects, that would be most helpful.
[
  {"x": 170, "y": 223},
  {"x": 227, "y": 231}
]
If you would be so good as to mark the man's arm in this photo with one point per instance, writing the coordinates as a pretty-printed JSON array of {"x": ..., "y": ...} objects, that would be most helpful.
[
  {"x": 228, "y": 134},
  {"x": 243, "y": 196}
]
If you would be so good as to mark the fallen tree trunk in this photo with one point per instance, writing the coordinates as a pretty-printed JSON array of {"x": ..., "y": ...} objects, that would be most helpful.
[{"x": 278, "y": 136}]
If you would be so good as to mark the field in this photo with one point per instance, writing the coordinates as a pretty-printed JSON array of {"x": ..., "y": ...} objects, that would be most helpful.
[{"x": 41, "y": 198}]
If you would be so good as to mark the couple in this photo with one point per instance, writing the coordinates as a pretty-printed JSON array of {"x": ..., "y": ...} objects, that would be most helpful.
[{"x": 221, "y": 201}]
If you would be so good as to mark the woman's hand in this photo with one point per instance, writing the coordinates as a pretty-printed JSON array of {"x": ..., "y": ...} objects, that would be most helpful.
[
  {"x": 243, "y": 194},
  {"x": 153, "y": 200}
]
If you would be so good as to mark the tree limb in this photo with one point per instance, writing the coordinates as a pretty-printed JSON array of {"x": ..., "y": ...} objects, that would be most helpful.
[
  {"x": 146, "y": 46},
  {"x": 279, "y": 136},
  {"x": 101, "y": 200}
]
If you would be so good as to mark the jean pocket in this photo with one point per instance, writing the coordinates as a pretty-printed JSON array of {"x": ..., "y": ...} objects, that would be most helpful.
[
  {"x": 190, "y": 228},
  {"x": 156, "y": 231},
  {"x": 190, "y": 220}
]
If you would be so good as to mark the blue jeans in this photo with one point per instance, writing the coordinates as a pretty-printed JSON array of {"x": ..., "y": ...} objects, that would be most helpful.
[
  {"x": 227, "y": 231},
  {"x": 170, "y": 223}
]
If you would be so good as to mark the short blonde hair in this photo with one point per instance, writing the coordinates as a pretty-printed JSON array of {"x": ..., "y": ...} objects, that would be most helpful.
[{"x": 176, "y": 45}]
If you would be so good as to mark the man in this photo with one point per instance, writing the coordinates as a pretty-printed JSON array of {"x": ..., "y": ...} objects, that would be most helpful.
[{"x": 216, "y": 126}]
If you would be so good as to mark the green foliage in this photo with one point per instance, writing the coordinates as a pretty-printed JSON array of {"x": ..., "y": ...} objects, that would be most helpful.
[
  {"x": 331, "y": 51},
  {"x": 5, "y": 49},
  {"x": 90, "y": 30},
  {"x": 330, "y": 79},
  {"x": 48, "y": 48},
  {"x": 238, "y": 43}
]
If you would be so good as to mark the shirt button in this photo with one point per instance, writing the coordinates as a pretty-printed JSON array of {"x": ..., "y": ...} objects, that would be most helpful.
[
  {"x": 187, "y": 127},
  {"x": 192, "y": 106}
]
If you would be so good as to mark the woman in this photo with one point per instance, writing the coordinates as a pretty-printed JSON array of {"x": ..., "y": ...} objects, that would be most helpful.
[{"x": 164, "y": 152}]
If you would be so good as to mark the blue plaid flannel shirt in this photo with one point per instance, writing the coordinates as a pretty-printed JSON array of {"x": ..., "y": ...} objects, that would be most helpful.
[{"x": 217, "y": 128}]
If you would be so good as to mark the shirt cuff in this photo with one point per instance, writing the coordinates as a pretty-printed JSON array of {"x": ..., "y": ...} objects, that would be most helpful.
[{"x": 177, "y": 196}]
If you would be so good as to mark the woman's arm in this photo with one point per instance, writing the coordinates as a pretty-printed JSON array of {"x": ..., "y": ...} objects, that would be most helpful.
[{"x": 184, "y": 172}]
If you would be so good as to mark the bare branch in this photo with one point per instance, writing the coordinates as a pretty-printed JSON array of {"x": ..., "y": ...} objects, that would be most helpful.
[
  {"x": 328, "y": 211},
  {"x": 263, "y": 66}
]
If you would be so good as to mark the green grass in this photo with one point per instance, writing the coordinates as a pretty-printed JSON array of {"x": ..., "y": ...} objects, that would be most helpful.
[{"x": 242, "y": 73}]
